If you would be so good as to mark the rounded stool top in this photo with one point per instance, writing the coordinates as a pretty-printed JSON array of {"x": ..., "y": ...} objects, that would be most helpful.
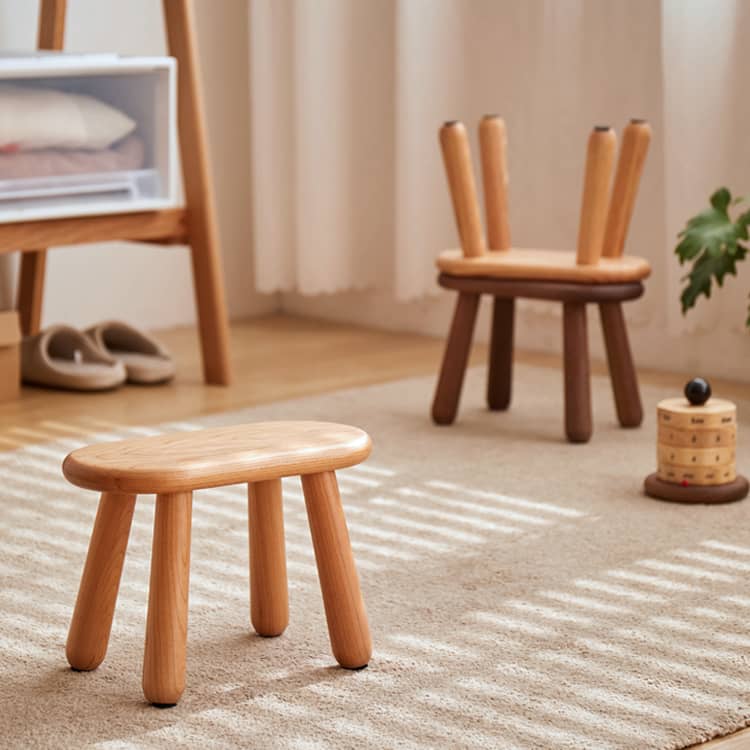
[{"x": 215, "y": 457}]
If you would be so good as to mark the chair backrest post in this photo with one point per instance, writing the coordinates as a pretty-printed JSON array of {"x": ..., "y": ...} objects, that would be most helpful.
[
  {"x": 454, "y": 143},
  {"x": 635, "y": 142},
  {"x": 600, "y": 157},
  {"x": 492, "y": 143}
]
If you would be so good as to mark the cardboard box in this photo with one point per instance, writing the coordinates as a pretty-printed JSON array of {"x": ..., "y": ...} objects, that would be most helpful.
[{"x": 10, "y": 355}]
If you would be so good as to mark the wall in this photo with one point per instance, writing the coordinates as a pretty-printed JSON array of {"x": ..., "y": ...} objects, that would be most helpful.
[{"x": 148, "y": 285}]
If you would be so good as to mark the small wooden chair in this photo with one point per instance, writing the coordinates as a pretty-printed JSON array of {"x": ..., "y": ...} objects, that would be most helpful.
[
  {"x": 597, "y": 273},
  {"x": 172, "y": 466}
]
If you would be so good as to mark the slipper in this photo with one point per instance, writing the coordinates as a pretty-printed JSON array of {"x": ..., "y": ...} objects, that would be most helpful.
[
  {"x": 145, "y": 360},
  {"x": 63, "y": 357}
]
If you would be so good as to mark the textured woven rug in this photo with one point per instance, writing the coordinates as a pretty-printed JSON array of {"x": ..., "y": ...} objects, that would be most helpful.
[{"x": 522, "y": 593}]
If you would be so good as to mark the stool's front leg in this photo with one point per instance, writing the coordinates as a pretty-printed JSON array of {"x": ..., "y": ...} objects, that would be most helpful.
[
  {"x": 166, "y": 625},
  {"x": 269, "y": 599},
  {"x": 621, "y": 370},
  {"x": 95, "y": 607},
  {"x": 345, "y": 609},
  {"x": 455, "y": 359},
  {"x": 577, "y": 379},
  {"x": 500, "y": 377}
]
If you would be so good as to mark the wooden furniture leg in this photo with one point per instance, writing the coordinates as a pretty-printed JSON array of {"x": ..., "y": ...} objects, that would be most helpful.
[
  {"x": 500, "y": 377},
  {"x": 577, "y": 380},
  {"x": 455, "y": 359},
  {"x": 345, "y": 609},
  {"x": 269, "y": 598},
  {"x": 50, "y": 36},
  {"x": 166, "y": 625},
  {"x": 90, "y": 627},
  {"x": 31, "y": 290},
  {"x": 199, "y": 196},
  {"x": 621, "y": 369}
]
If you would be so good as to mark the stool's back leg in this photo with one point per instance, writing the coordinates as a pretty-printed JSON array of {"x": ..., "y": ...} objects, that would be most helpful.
[
  {"x": 576, "y": 366},
  {"x": 345, "y": 609},
  {"x": 500, "y": 377},
  {"x": 95, "y": 606},
  {"x": 455, "y": 359},
  {"x": 166, "y": 625},
  {"x": 621, "y": 369},
  {"x": 269, "y": 598}
]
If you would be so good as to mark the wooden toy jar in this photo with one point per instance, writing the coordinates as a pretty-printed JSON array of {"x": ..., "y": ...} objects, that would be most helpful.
[{"x": 696, "y": 447}]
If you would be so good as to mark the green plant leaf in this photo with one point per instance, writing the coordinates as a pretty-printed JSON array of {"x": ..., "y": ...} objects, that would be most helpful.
[
  {"x": 721, "y": 199},
  {"x": 712, "y": 241}
]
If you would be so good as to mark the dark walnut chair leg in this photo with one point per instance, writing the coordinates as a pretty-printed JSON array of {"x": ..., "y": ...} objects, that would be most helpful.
[
  {"x": 577, "y": 376},
  {"x": 500, "y": 376},
  {"x": 455, "y": 359},
  {"x": 621, "y": 369}
]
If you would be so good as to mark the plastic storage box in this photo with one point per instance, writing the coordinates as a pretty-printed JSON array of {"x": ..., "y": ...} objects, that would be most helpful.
[{"x": 86, "y": 134}]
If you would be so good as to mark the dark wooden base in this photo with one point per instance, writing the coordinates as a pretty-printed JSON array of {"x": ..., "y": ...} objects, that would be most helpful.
[
  {"x": 574, "y": 297},
  {"x": 694, "y": 494}
]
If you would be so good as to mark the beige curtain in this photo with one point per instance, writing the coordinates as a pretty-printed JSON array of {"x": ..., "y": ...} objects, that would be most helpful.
[{"x": 347, "y": 97}]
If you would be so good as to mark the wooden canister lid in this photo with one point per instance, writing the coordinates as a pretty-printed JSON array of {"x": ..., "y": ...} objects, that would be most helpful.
[{"x": 681, "y": 414}]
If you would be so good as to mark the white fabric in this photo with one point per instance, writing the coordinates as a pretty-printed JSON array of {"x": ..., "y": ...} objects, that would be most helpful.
[
  {"x": 36, "y": 118},
  {"x": 349, "y": 189}
]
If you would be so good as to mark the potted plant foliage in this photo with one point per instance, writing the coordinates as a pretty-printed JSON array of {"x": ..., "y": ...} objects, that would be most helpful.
[{"x": 713, "y": 241}]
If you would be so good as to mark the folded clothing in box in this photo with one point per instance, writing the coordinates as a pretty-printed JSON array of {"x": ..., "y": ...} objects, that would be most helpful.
[{"x": 48, "y": 132}]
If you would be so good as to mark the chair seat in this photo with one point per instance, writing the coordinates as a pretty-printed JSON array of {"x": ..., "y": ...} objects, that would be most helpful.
[
  {"x": 547, "y": 265},
  {"x": 180, "y": 462}
]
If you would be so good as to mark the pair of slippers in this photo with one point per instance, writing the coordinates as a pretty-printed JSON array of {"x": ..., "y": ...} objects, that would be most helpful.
[{"x": 99, "y": 359}]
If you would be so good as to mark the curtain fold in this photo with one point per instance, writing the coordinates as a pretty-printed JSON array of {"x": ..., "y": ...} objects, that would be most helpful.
[{"x": 347, "y": 97}]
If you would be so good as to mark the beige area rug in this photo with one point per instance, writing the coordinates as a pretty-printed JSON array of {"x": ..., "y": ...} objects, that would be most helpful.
[{"x": 522, "y": 594}]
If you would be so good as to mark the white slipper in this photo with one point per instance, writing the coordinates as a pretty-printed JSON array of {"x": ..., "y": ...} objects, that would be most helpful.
[
  {"x": 145, "y": 360},
  {"x": 63, "y": 357}
]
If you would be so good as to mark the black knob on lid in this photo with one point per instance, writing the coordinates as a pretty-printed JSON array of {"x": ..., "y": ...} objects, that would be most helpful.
[{"x": 697, "y": 391}]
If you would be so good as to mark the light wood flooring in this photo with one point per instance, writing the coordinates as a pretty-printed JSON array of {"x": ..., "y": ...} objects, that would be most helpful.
[{"x": 275, "y": 358}]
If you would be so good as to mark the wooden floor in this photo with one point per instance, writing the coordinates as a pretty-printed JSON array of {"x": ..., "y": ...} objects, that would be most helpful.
[{"x": 275, "y": 358}]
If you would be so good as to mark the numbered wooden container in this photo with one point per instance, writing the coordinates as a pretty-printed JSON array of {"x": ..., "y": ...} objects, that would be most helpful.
[
  {"x": 696, "y": 444},
  {"x": 696, "y": 453}
]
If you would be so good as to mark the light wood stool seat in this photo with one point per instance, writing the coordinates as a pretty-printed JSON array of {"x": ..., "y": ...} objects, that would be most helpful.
[
  {"x": 544, "y": 265},
  {"x": 172, "y": 466}
]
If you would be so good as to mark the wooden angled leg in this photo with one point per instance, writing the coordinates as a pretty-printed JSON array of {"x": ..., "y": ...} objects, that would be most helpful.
[
  {"x": 455, "y": 359},
  {"x": 500, "y": 376},
  {"x": 345, "y": 609},
  {"x": 166, "y": 624},
  {"x": 577, "y": 379},
  {"x": 31, "y": 290},
  {"x": 199, "y": 198},
  {"x": 621, "y": 369},
  {"x": 269, "y": 598},
  {"x": 90, "y": 627}
]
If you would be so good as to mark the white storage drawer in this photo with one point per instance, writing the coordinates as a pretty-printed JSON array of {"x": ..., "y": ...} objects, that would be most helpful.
[{"x": 86, "y": 134}]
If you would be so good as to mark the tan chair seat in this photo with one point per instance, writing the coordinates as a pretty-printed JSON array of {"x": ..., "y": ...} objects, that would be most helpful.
[
  {"x": 543, "y": 265},
  {"x": 216, "y": 457}
]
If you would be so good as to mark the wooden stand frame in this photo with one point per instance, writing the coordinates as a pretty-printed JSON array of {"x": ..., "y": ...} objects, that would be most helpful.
[{"x": 195, "y": 225}]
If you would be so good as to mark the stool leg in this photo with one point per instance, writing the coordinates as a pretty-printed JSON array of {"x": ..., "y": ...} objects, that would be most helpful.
[
  {"x": 339, "y": 583},
  {"x": 621, "y": 370},
  {"x": 576, "y": 365},
  {"x": 269, "y": 599},
  {"x": 500, "y": 378},
  {"x": 88, "y": 635},
  {"x": 166, "y": 625},
  {"x": 455, "y": 359}
]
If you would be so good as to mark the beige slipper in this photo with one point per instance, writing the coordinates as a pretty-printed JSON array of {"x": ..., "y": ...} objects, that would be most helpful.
[
  {"x": 145, "y": 360},
  {"x": 62, "y": 357}
]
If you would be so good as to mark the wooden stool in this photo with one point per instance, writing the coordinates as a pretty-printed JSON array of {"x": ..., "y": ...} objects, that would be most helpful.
[
  {"x": 597, "y": 273},
  {"x": 174, "y": 465}
]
